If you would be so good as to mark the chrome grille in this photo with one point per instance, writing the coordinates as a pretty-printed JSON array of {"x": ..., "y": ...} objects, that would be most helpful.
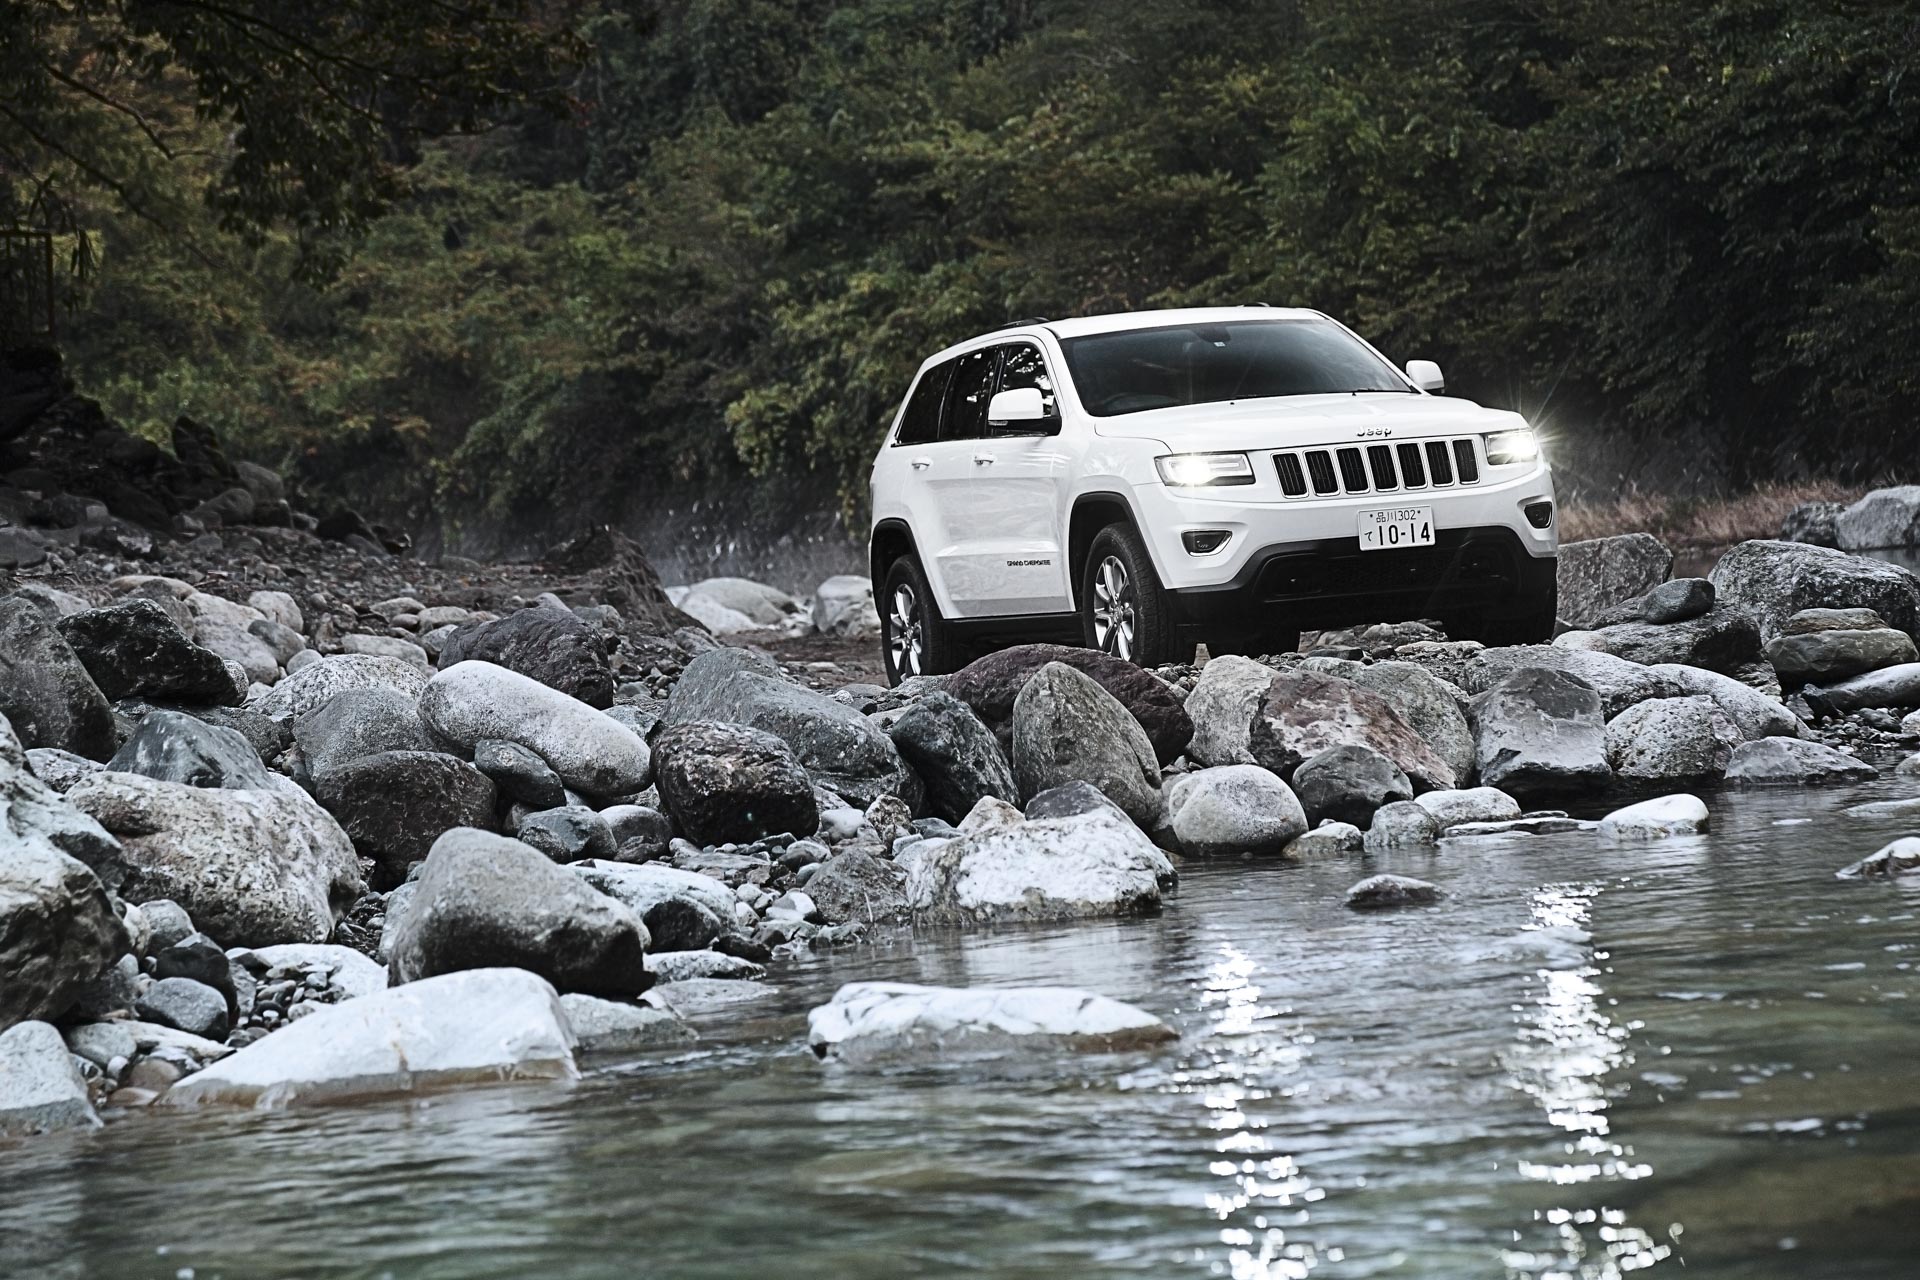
[{"x": 1378, "y": 468}]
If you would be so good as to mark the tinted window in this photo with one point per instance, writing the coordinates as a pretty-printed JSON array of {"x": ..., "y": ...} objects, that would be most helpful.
[
  {"x": 920, "y": 424},
  {"x": 966, "y": 417},
  {"x": 1141, "y": 369}
]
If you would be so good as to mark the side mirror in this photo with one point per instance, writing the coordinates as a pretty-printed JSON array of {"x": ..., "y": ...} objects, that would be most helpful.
[
  {"x": 1017, "y": 405},
  {"x": 1426, "y": 375}
]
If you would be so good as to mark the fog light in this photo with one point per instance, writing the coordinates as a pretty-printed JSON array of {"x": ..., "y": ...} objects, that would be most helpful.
[
  {"x": 1539, "y": 514},
  {"x": 1204, "y": 542}
]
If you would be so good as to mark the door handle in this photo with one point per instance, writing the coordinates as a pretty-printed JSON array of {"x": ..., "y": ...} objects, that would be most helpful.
[
  {"x": 982, "y": 459},
  {"x": 920, "y": 464}
]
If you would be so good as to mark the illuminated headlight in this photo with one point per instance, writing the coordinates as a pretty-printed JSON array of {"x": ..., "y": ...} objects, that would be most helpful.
[
  {"x": 1512, "y": 446},
  {"x": 1194, "y": 470}
]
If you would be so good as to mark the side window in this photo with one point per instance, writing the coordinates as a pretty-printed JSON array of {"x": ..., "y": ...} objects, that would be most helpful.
[
  {"x": 920, "y": 424},
  {"x": 966, "y": 417},
  {"x": 1021, "y": 365}
]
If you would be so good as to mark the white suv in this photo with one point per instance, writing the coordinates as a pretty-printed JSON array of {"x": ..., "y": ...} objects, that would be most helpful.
[{"x": 1229, "y": 475}]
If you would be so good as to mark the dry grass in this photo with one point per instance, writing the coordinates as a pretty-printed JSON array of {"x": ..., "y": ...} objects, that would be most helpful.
[{"x": 1697, "y": 522}]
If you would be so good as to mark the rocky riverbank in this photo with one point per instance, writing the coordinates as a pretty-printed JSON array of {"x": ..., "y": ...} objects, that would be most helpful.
[{"x": 287, "y": 816}]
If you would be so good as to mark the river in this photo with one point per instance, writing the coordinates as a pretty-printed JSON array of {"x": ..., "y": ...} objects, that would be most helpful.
[{"x": 1699, "y": 1056}]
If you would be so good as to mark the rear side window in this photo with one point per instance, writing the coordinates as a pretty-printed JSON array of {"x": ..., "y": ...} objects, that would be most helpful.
[
  {"x": 966, "y": 417},
  {"x": 920, "y": 424}
]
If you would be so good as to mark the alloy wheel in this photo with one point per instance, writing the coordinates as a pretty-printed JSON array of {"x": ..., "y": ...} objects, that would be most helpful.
[
  {"x": 1113, "y": 608},
  {"x": 906, "y": 644}
]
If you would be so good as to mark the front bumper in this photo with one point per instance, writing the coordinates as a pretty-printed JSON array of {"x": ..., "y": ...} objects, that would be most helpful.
[{"x": 1488, "y": 571}]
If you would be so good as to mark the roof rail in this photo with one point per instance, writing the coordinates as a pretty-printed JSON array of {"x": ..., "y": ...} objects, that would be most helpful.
[
  {"x": 1022, "y": 323},
  {"x": 1256, "y": 304}
]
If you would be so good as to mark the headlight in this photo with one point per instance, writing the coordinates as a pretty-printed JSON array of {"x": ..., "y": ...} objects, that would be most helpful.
[
  {"x": 1510, "y": 447},
  {"x": 1193, "y": 470}
]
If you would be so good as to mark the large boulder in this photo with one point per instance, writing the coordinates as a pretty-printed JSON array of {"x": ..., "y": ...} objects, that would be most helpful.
[
  {"x": 1066, "y": 728},
  {"x": 134, "y": 649},
  {"x": 1775, "y": 580},
  {"x": 548, "y": 643},
  {"x": 1304, "y": 713},
  {"x": 991, "y": 686},
  {"x": 1794, "y": 762},
  {"x": 1432, "y": 707},
  {"x": 32, "y": 810},
  {"x": 252, "y": 867},
  {"x": 1883, "y": 518},
  {"x": 1348, "y": 783},
  {"x": 1091, "y": 864},
  {"x": 1221, "y": 707},
  {"x": 1540, "y": 732},
  {"x": 174, "y": 747},
  {"x": 470, "y": 702},
  {"x": 41, "y": 1089},
  {"x": 839, "y": 748},
  {"x": 58, "y": 929},
  {"x": 484, "y": 901},
  {"x": 45, "y": 691},
  {"x": 1232, "y": 808},
  {"x": 1814, "y": 522},
  {"x": 1666, "y": 738},
  {"x": 356, "y": 723},
  {"x": 1599, "y": 573},
  {"x": 1818, "y": 646},
  {"x": 1619, "y": 682},
  {"x": 1753, "y": 713},
  {"x": 762, "y": 605},
  {"x": 1897, "y": 686},
  {"x": 872, "y": 1023},
  {"x": 475, "y": 1027},
  {"x": 955, "y": 754},
  {"x": 1723, "y": 639},
  {"x": 320, "y": 681},
  {"x": 725, "y": 783},
  {"x": 855, "y": 885},
  {"x": 395, "y": 804},
  {"x": 843, "y": 606}
]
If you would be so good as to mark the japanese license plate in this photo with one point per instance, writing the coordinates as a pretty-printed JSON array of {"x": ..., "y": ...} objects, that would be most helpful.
[{"x": 1384, "y": 530}]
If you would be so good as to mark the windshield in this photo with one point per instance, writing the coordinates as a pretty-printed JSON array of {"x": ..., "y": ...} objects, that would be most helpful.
[{"x": 1140, "y": 369}]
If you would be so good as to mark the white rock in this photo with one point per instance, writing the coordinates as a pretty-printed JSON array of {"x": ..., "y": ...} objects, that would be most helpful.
[
  {"x": 1753, "y": 713},
  {"x": 40, "y": 1087},
  {"x": 692, "y": 996},
  {"x": 592, "y": 752},
  {"x": 1222, "y": 705},
  {"x": 645, "y": 885},
  {"x": 1234, "y": 808},
  {"x": 1329, "y": 838},
  {"x": 476, "y": 1026},
  {"x": 280, "y": 607},
  {"x": 714, "y": 616},
  {"x": 608, "y": 1026},
  {"x": 101, "y": 1042},
  {"x": 870, "y": 1022},
  {"x": 990, "y": 813},
  {"x": 1091, "y": 864},
  {"x": 1472, "y": 804},
  {"x": 314, "y": 682},
  {"x": 1675, "y": 815},
  {"x": 763, "y": 605},
  {"x": 840, "y": 824},
  {"x": 1901, "y": 857},
  {"x": 843, "y": 606},
  {"x": 385, "y": 647},
  {"x": 217, "y": 609},
  {"x": 349, "y": 972}
]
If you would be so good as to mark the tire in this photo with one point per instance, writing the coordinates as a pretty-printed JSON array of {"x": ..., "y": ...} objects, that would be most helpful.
[
  {"x": 914, "y": 639},
  {"x": 1123, "y": 609}
]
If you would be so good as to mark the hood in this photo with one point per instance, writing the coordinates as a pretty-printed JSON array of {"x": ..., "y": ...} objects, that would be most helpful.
[{"x": 1303, "y": 420}]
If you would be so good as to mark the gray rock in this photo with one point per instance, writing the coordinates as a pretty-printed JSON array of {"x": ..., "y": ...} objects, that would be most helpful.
[
  {"x": 607, "y": 1026},
  {"x": 348, "y": 972},
  {"x": 320, "y": 681},
  {"x": 395, "y": 804},
  {"x": 471, "y": 702},
  {"x": 1377, "y": 892},
  {"x": 185, "y": 1005},
  {"x": 199, "y": 958},
  {"x": 478, "y": 1027},
  {"x": 640, "y": 833},
  {"x": 281, "y": 642},
  {"x": 1725, "y": 639},
  {"x": 855, "y": 885},
  {"x": 1813, "y": 522},
  {"x": 1095, "y": 864},
  {"x": 101, "y": 1042},
  {"x": 568, "y": 834},
  {"x": 1304, "y": 713},
  {"x": 134, "y": 649},
  {"x": 1656, "y": 819},
  {"x": 1897, "y": 686},
  {"x": 1775, "y": 580},
  {"x": 167, "y": 923},
  {"x": 356, "y": 723},
  {"x": 41, "y": 1089},
  {"x": 1432, "y": 708},
  {"x": 58, "y": 930},
  {"x": 1329, "y": 839},
  {"x": 521, "y": 775},
  {"x": 1671, "y": 738},
  {"x": 547, "y": 643},
  {"x": 954, "y": 753},
  {"x": 33, "y": 812},
  {"x": 253, "y": 867},
  {"x": 838, "y": 747},
  {"x": 1066, "y": 728},
  {"x": 60, "y": 769},
  {"x": 1065, "y": 801},
  {"x": 683, "y": 966},
  {"x": 174, "y": 747},
  {"x": 1820, "y": 657},
  {"x": 239, "y": 644},
  {"x": 1753, "y": 713},
  {"x": 1680, "y": 600},
  {"x": 45, "y": 691},
  {"x": 683, "y": 910},
  {"x": 730, "y": 783},
  {"x": 1400, "y": 825},
  {"x": 992, "y": 686},
  {"x": 1233, "y": 808},
  {"x": 1883, "y": 518},
  {"x": 1900, "y": 858},
  {"x": 279, "y": 608},
  {"x": 1796, "y": 762},
  {"x": 762, "y": 605},
  {"x": 1597, "y": 574},
  {"x": 880, "y": 1023},
  {"x": 1222, "y": 706},
  {"x": 1540, "y": 731},
  {"x": 391, "y": 648},
  {"x": 1619, "y": 683},
  {"x": 691, "y": 997},
  {"x": 483, "y": 901},
  {"x": 843, "y": 606},
  {"x": 1347, "y": 783},
  {"x": 1475, "y": 804}
]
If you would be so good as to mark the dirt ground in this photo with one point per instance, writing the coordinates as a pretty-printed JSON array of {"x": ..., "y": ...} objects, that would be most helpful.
[{"x": 824, "y": 662}]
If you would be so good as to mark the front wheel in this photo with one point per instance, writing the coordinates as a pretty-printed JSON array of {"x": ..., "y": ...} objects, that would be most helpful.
[
  {"x": 1123, "y": 609},
  {"x": 914, "y": 639}
]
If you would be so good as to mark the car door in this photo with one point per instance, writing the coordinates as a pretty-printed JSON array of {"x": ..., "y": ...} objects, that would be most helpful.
[{"x": 1003, "y": 502}]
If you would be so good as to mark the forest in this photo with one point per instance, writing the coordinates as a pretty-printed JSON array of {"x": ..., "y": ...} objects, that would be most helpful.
[{"x": 469, "y": 265}]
